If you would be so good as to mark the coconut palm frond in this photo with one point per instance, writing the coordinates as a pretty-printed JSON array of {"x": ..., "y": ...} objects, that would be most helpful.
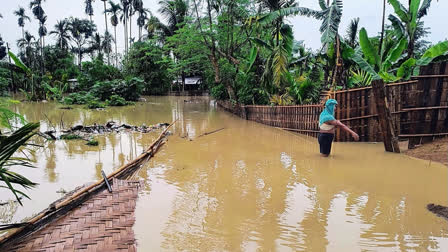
[
  {"x": 423, "y": 11},
  {"x": 9, "y": 145},
  {"x": 352, "y": 32}
]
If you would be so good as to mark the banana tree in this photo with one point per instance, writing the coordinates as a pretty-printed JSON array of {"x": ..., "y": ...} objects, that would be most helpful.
[
  {"x": 20, "y": 66},
  {"x": 277, "y": 64},
  {"x": 373, "y": 64},
  {"x": 411, "y": 66},
  {"x": 406, "y": 20},
  {"x": 331, "y": 15}
]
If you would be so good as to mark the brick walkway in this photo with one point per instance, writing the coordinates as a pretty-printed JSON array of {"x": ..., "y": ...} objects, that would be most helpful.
[{"x": 102, "y": 223}]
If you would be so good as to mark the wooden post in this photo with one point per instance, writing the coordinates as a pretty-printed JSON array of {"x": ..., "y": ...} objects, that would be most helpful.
[{"x": 385, "y": 117}]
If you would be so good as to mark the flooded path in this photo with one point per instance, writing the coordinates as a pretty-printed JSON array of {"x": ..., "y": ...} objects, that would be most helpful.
[{"x": 248, "y": 187}]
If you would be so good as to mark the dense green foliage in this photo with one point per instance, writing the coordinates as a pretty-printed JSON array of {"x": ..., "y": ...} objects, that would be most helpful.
[
  {"x": 147, "y": 61},
  {"x": 243, "y": 50}
]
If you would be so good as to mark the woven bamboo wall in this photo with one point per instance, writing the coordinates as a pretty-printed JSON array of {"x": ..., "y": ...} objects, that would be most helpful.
[{"x": 419, "y": 108}]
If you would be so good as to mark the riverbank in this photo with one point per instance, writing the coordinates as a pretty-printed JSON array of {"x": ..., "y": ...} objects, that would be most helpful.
[{"x": 435, "y": 151}]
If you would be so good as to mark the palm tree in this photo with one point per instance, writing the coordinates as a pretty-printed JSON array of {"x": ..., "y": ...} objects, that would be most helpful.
[
  {"x": 61, "y": 32},
  {"x": 115, "y": 10},
  {"x": 39, "y": 13},
  {"x": 107, "y": 28},
  {"x": 89, "y": 8},
  {"x": 80, "y": 30},
  {"x": 351, "y": 37},
  {"x": 152, "y": 26},
  {"x": 280, "y": 46},
  {"x": 26, "y": 45},
  {"x": 22, "y": 17},
  {"x": 174, "y": 12},
  {"x": 95, "y": 44},
  {"x": 125, "y": 5},
  {"x": 141, "y": 20},
  {"x": 43, "y": 29},
  {"x": 106, "y": 46},
  {"x": 131, "y": 13},
  {"x": 9, "y": 146}
]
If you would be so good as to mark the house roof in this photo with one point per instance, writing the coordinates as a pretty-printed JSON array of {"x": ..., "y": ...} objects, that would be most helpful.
[{"x": 189, "y": 80}]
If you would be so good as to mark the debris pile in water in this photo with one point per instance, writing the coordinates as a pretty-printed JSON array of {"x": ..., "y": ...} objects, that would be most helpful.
[
  {"x": 439, "y": 210},
  {"x": 85, "y": 132}
]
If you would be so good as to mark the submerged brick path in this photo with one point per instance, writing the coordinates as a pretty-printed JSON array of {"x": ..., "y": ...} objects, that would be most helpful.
[{"x": 102, "y": 223}]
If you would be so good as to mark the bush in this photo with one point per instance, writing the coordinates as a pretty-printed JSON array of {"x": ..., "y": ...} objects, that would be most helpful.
[
  {"x": 92, "y": 142},
  {"x": 149, "y": 55},
  {"x": 116, "y": 100},
  {"x": 70, "y": 137},
  {"x": 78, "y": 98},
  {"x": 94, "y": 104},
  {"x": 103, "y": 90},
  {"x": 131, "y": 89},
  {"x": 219, "y": 92},
  {"x": 96, "y": 71}
]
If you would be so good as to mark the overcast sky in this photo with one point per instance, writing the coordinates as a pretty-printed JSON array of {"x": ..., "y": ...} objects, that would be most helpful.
[{"x": 307, "y": 29}]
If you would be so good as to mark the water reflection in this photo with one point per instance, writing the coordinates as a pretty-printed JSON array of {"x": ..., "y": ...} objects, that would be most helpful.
[
  {"x": 248, "y": 187},
  {"x": 251, "y": 187}
]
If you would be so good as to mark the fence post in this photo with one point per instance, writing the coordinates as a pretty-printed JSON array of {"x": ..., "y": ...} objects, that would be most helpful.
[{"x": 385, "y": 117}]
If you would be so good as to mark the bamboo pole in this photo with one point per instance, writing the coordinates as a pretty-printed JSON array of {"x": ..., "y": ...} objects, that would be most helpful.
[
  {"x": 431, "y": 76},
  {"x": 86, "y": 190}
]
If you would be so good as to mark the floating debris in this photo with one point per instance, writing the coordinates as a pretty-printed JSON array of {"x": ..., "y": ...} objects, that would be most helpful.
[
  {"x": 439, "y": 210},
  {"x": 87, "y": 132}
]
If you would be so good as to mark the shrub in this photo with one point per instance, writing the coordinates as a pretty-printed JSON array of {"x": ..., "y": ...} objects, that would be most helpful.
[
  {"x": 92, "y": 142},
  {"x": 131, "y": 89},
  {"x": 219, "y": 92},
  {"x": 78, "y": 98},
  {"x": 149, "y": 55},
  {"x": 96, "y": 71},
  {"x": 94, "y": 104},
  {"x": 70, "y": 137},
  {"x": 116, "y": 100},
  {"x": 103, "y": 90}
]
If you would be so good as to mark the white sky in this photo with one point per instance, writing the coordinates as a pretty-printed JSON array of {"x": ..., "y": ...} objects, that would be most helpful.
[{"x": 307, "y": 29}]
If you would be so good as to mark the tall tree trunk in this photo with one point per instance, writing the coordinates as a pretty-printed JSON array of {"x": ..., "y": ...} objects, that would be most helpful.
[
  {"x": 13, "y": 80},
  {"x": 23, "y": 33},
  {"x": 380, "y": 48},
  {"x": 116, "y": 53},
  {"x": 125, "y": 37},
  {"x": 139, "y": 33},
  {"x": 105, "y": 16},
  {"x": 79, "y": 56},
  {"x": 130, "y": 30},
  {"x": 107, "y": 30}
]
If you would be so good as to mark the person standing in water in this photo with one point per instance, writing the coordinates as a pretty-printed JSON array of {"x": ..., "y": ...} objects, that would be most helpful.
[{"x": 327, "y": 125}]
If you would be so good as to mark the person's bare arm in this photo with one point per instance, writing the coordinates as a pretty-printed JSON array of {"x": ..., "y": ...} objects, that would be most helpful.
[{"x": 344, "y": 127}]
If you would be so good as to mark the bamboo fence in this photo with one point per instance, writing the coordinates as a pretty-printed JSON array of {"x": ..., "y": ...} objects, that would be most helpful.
[
  {"x": 419, "y": 108},
  {"x": 63, "y": 206}
]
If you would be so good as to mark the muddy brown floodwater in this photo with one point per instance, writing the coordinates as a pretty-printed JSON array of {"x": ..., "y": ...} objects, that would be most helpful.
[{"x": 248, "y": 187}]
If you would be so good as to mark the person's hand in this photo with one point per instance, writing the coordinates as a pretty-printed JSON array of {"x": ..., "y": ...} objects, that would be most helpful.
[{"x": 355, "y": 136}]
